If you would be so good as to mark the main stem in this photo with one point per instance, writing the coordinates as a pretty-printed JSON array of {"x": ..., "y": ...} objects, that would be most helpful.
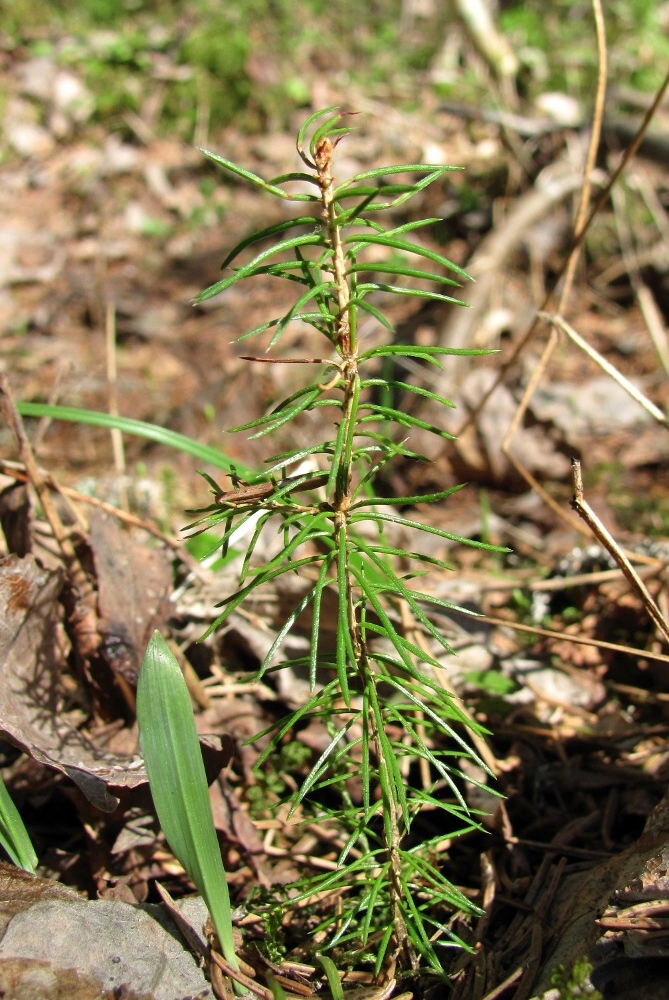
[{"x": 347, "y": 347}]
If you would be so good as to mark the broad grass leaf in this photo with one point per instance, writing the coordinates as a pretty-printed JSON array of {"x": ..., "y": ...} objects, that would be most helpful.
[{"x": 173, "y": 761}]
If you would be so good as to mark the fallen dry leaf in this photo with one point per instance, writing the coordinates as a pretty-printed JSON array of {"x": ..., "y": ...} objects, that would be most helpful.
[
  {"x": 133, "y": 585},
  {"x": 30, "y": 660}
]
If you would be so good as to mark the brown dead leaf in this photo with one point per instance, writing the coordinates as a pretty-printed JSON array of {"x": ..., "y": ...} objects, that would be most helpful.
[
  {"x": 133, "y": 583},
  {"x": 30, "y": 657}
]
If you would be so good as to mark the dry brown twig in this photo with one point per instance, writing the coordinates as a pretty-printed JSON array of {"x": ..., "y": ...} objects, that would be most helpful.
[
  {"x": 559, "y": 326},
  {"x": 646, "y": 302},
  {"x": 112, "y": 384},
  {"x": 581, "y": 230},
  {"x": 585, "y": 511},
  {"x": 17, "y": 471},
  {"x": 582, "y": 223},
  {"x": 553, "y": 340},
  {"x": 83, "y": 616}
]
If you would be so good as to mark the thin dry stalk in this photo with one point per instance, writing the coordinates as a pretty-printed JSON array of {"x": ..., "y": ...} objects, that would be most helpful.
[
  {"x": 530, "y": 333},
  {"x": 84, "y": 616},
  {"x": 585, "y": 511},
  {"x": 606, "y": 366},
  {"x": 579, "y": 640},
  {"x": 582, "y": 223},
  {"x": 649, "y": 308}
]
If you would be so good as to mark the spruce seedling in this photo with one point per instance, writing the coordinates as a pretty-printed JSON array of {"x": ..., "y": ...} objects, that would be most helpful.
[
  {"x": 378, "y": 689},
  {"x": 380, "y": 693}
]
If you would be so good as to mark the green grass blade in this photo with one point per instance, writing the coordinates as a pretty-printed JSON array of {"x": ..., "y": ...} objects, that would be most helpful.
[
  {"x": 305, "y": 405},
  {"x": 250, "y": 548},
  {"x": 429, "y": 354},
  {"x": 296, "y": 175},
  {"x": 232, "y": 602},
  {"x": 316, "y": 618},
  {"x": 378, "y": 886},
  {"x": 388, "y": 627},
  {"x": 336, "y": 462},
  {"x": 406, "y": 227},
  {"x": 345, "y": 651},
  {"x": 327, "y": 129},
  {"x": 390, "y": 550},
  {"x": 373, "y": 311},
  {"x": 127, "y": 425},
  {"x": 310, "y": 120},
  {"x": 357, "y": 242},
  {"x": 399, "y": 417},
  {"x": 173, "y": 761},
  {"x": 294, "y": 312},
  {"x": 13, "y": 834},
  {"x": 407, "y": 387},
  {"x": 441, "y": 723},
  {"x": 420, "y": 654},
  {"x": 317, "y": 769},
  {"x": 391, "y": 780},
  {"x": 434, "y": 169},
  {"x": 289, "y": 457},
  {"x": 285, "y": 725},
  {"x": 410, "y": 500},
  {"x": 398, "y": 588},
  {"x": 377, "y": 515},
  {"x": 432, "y": 175},
  {"x": 278, "y": 410},
  {"x": 334, "y": 982},
  {"x": 285, "y": 629},
  {"x": 256, "y": 330}
]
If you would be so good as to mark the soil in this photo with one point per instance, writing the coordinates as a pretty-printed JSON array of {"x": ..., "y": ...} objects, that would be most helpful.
[{"x": 107, "y": 237}]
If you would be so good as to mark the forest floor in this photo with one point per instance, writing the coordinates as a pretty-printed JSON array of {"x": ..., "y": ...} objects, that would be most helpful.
[{"x": 107, "y": 236}]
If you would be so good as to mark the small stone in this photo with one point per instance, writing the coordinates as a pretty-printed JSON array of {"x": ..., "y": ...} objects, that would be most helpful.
[{"x": 28, "y": 140}]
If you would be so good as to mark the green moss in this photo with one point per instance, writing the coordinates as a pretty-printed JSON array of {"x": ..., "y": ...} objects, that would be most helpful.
[{"x": 575, "y": 984}]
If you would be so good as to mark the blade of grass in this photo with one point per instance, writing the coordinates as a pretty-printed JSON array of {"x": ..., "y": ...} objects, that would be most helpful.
[
  {"x": 127, "y": 425},
  {"x": 13, "y": 834},
  {"x": 173, "y": 760}
]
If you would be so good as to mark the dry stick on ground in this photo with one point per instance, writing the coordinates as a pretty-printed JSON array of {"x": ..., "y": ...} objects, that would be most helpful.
[
  {"x": 553, "y": 186},
  {"x": 578, "y": 504},
  {"x": 585, "y": 511},
  {"x": 17, "y": 471},
  {"x": 528, "y": 336},
  {"x": 580, "y": 640},
  {"x": 557, "y": 323},
  {"x": 112, "y": 381},
  {"x": 650, "y": 310},
  {"x": 83, "y": 614},
  {"x": 580, "y": 228},
  {"x": 624, "y": 383}
]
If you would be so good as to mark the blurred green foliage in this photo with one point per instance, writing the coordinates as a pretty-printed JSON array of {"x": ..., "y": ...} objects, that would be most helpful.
[
  {"x": 211, "y": 62},
  {"x": 249, "y": 61},
  {"x": 555, "y": 42}
]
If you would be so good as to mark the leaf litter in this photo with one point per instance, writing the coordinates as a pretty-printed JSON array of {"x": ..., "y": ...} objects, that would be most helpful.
[{"x": 579, "y": 732}]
